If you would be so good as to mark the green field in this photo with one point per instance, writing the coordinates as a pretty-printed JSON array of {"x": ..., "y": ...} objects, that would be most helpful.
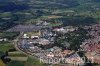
[
  {"x": 34, "y": 62},
  {"x": 9, "y": 35},
  {"x": 1, "y": 63},
  {"x": 6, "y": 46},
  {"x": 15, "y": 63},
  {"x": 16, "y": 54}
]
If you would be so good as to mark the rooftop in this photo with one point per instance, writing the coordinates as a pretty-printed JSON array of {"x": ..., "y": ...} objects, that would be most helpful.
[{"x": 25, "y": 28}]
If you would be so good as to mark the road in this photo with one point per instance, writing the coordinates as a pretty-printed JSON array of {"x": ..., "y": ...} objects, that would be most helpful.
[{"x": 17, "y": 44}]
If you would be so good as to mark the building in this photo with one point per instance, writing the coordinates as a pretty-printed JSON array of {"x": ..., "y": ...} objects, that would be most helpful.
[
  {"x": 35, "y": 37},
  {"x": 59, "y": 29},
  {"x": 50, "y": 55},
  {"x": 75, "y": 59},
  {"x": 3, "y": 39},
  {"x": 25, "y": 28},
  {"x": 65, "y": 29},
  {"x": 32, "y": 35},
  {"x": 93, "y": 57},
  {"x": 25, "y": 36},
  {"x": 44, "y": 41}
]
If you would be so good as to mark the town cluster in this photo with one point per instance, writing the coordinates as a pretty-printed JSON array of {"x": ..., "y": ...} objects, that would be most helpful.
[
  {"x": 38, "y": 41},
  {"x": 91, "y": 46}
]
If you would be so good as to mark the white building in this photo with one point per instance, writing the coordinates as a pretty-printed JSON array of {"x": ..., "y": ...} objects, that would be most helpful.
[
  {"x": 35, "y": 37},
  {"x": 25, "y": 36},
  {"x": 50, "y": 55},
  {"x": 59, "y": 29},
  {"x": 3, "y": 39},
  {"x": 44, "y": 42}
]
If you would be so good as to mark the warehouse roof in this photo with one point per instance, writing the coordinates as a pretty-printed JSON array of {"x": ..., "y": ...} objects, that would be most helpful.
[{"x": 25, "y": 28}]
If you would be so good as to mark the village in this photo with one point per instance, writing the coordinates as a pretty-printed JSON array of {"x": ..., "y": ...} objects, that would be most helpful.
[{"x": 92, "y": 45}]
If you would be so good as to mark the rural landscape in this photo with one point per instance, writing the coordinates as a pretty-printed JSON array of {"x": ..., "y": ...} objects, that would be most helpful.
[{"x": 49, "y": 32}]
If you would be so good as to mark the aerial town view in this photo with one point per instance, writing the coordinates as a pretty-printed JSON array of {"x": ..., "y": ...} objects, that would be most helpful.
[{"x": 49, "y": 32}]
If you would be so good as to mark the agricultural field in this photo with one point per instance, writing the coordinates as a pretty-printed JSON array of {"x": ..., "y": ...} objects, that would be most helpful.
[
  {"x": 16, "y": 54},
  {"x": 34, "y": 62},
  {"x": 1, "y": 63},
  {"x": 9, "y": 35},
  {"x": 33, "y": 33},
  {"x": 15, "y": 63},
  {"x": 4, "y": 47},
  {"x": 29, "y": 62},
  {"x": 51, "y": 17},
  {"x": 31, "y": 11}
]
